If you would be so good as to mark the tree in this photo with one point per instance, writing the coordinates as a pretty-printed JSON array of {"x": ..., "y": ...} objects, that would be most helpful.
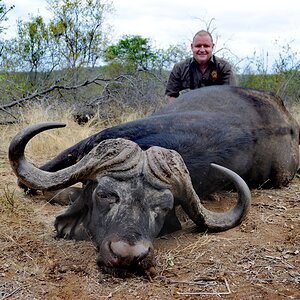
[
  {"x": 132, "y": 51},
  {"x": 3, "y": 17},
  {"x": 173, "y": 54},
  {"x": 3, "y": 14},
  {"x": 137, "y": 53},
  {"x": 77, "y": 30},
  {"x": 31, "y": 45},
  {"x": 74, "y": 37}
]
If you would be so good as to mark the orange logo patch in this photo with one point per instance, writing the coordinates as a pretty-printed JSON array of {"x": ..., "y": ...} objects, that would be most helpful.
[{"x": 214, "y": 74}]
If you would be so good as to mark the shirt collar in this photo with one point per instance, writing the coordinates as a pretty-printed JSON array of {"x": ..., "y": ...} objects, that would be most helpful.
[{"x": 211, "y": 62}]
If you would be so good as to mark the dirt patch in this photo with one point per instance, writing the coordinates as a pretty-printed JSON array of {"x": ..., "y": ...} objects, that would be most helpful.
[{"x": 260, "y": 259}]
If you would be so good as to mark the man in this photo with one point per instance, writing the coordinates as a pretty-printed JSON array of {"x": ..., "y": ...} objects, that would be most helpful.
[{"x": 203, "y": 69}]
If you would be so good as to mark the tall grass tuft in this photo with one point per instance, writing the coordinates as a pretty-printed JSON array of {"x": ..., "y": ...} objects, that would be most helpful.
[
  {"x": 8, "y": 199},
  {"x": 295, "y": 111},
  {"x": 49, "y": 143}
]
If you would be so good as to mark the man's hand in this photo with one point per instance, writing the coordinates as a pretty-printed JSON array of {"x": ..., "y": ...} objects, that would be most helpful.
[{"x": 171, "y": 99}]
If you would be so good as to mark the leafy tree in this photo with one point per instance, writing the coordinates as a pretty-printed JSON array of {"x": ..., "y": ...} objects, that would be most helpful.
[
  {"x": 3, "y": 14},
  {"x": 3, "y": 17},
  {"x": 31, "y": 45},
  {"x": 132, "y": 51},
  {"x": 137, "y": 53},
  {"x": 77, "y": 30},
  {"x": 173, "y": 54},
  {"x": 74, "y": 37}
]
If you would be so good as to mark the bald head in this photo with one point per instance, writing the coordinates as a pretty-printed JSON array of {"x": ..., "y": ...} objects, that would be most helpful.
[
  {"x": 203, "y": 33},
  {"x": 202, "y": 48}
]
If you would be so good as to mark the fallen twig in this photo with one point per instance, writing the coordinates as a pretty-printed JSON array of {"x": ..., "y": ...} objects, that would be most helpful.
[
  {"x": 58, "y": 87},
  {"x": 11, "y": 293},
  {"x": 228, "y": 292}
]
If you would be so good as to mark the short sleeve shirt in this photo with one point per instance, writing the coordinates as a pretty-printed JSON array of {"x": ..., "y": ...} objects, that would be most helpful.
[{"x": 187, "y": 75}]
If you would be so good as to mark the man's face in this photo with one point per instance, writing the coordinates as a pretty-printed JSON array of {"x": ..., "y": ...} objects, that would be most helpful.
[{"x": 202, "y": 48}]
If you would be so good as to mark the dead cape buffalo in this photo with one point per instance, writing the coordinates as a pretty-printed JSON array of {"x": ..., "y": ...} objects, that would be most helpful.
[{"x": 134, "y": 174}]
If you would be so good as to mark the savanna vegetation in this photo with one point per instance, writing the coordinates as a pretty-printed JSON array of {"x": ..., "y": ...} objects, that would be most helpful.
[
  {"x": 69, "y": 63},
  {"x": 67, "y": 68}
]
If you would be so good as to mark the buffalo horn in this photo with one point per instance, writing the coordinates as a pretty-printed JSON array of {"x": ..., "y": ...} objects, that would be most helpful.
[
  {"x": 118, "y": 156},
  {"x": 168, "y": 166}
]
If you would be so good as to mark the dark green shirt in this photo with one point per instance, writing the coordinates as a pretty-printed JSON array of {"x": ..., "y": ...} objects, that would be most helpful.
[{"x": 187, "y": 75}]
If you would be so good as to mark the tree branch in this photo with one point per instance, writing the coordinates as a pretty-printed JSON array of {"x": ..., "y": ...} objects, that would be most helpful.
[{"x": 58, "y": 87}]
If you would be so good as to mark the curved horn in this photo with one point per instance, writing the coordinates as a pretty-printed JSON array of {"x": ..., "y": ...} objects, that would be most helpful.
[
  {"x": 109, "y": 156},
  {"x": 167, "y": 166}
]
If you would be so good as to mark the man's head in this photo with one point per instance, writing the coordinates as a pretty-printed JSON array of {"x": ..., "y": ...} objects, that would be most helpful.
[{"x": 202, "y": 47}]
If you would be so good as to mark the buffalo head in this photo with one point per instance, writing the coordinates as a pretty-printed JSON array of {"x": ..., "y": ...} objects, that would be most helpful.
[{"x": 128, "y": 197}]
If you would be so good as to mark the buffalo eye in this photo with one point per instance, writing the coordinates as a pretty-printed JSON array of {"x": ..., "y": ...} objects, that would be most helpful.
[
  {"x": 158, "y": 210},
  {"x": 107, "y": 198}
]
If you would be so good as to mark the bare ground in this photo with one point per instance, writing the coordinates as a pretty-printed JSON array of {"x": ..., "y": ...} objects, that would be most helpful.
[{"x": 260, "y": 259}]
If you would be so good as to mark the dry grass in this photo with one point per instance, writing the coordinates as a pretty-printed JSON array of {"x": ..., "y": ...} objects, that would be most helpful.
[
  {"x": 8, "y": 198},
  {"x": 49, "y": 143},
  {"x": 295, "y": 111}
]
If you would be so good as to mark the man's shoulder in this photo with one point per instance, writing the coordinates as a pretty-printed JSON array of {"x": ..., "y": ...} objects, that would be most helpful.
[{"x": 220, "y": 61}]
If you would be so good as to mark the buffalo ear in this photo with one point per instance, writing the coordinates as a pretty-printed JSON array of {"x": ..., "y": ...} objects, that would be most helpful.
[
  {"x": 71, "y": 224},
  {"x": 171, "y": 223},
  {"x": 63, "y": 196}
]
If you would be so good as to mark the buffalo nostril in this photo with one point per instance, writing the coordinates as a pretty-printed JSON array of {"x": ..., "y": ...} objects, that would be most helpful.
[
  {"x": 143, "y": 255},
  {"x": 138, "y": 251}
]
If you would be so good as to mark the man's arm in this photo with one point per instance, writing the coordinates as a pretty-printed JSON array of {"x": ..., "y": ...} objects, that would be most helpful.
[
  {"x": 176, "y": 80},
  {"x": 227, "y": 75},
  {"x": 174, "y": 85},
  {"x": 171, "y": 99}
]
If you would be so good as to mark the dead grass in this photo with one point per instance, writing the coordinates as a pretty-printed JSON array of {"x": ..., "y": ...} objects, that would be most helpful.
[
  {"x": 49, "y": 143},
  {"x": 8, "y": 198},
  {"x": 295, "y": 111}
]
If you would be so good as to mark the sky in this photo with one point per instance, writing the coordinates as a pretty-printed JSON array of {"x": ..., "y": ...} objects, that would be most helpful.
[{"x": 245, "y": 27}]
